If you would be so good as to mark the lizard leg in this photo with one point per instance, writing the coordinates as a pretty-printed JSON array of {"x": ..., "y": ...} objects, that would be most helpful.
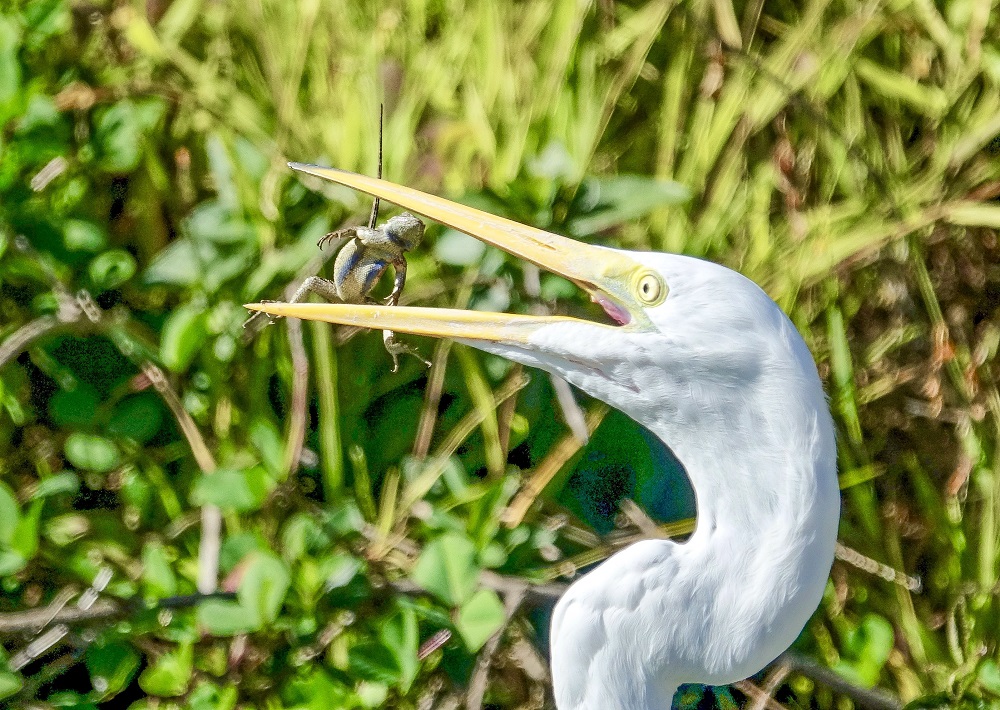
[
  {"x": 324, "y": 288},
  {"x": 396, "y": 348},
  {"x": 399, "y": 279}
]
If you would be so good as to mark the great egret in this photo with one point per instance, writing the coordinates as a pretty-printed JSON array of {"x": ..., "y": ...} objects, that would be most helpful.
[{"x": 705, "y": 360}]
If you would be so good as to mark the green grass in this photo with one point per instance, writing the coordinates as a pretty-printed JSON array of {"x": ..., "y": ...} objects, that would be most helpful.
[{"x": 845, "y": 155}]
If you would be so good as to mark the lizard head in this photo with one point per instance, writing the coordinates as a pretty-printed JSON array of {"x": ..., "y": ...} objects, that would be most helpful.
[{"x": 405, "y": 229}]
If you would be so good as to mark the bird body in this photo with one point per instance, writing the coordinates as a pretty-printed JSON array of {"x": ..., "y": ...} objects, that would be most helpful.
[
  {"x": 706, "y": 361},
  {"x": 728, "y": 384}
]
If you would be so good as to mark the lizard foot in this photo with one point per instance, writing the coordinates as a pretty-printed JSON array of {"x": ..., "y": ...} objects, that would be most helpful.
[
  {"x": 271, "y": 319},
  {"x": 396, "y": 348}
]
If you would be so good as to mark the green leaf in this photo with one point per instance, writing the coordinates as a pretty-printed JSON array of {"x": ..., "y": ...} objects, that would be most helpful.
[
  {"x": 989, "y": 676},
  {"x": 47, "y": 18},
  {"x": 183, "y": 336},
  {"x": 300, "y": 534},
  {"x": 25, "y": 542},
  {"x": 11, "y": 562},
  {"x": 91, "y": 452},
  {"x": 373, "y": 662},
  {"x": 112, "y": 666},
  {"x": 401, "y": 637},
  {"x": 267, "y": 440},
  {"x": 10, "y": 683},
  {"x": 314, "y": 689},
  {"x": 618, "y": 199},
  {"x": 157, "y": 574},
  {"x": 177, "y": 265},
  {"x": 111, "y": 269},
  {"x": 64, "y": 482},
  {"x": 138, "y": 417},
  {"x": 208, "y": 696},
  {"x": 65, "y": 529},
  {"x": 70, "y": 699},
  {"x": 74, "y": 407},
  {"x": 447, "y": 568},
  {"x": 479, "y": 618},
  {"x": 119, "y": 137},
  {"x": 263, "y": 587},
  {"x": 171, "y": 673},
  {"x": 233, "y": 489},
  {"x": 10, "y": 514},
  {"x": 866, "y": 650},
  {"x": 212, "y": 221},
  {"x": 225, "y": 618},
  {"x": 338, "y": 570},
  {"x": 10, "y": 64},
  {"x": 81, "y": 235}
]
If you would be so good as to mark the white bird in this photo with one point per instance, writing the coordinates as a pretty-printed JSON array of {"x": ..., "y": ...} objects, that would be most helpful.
[{"x": 705, "y": 360}]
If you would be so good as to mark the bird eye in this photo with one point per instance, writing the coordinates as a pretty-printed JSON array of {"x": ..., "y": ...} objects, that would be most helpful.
[{"x": 650, "y": 289}]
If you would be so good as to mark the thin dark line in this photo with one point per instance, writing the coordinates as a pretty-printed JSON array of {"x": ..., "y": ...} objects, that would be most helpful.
[{"x": 374, "y": 216}]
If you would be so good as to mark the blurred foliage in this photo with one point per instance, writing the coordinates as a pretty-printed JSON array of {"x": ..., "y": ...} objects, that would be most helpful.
[{"x": 843, "y": 154}]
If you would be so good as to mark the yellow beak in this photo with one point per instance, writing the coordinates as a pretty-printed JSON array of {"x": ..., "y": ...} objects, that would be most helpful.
[{"x": 607, "y": 274}]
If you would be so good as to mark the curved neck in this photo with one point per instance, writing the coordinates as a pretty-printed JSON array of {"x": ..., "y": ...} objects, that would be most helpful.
[{"x": 768, "y": 509}]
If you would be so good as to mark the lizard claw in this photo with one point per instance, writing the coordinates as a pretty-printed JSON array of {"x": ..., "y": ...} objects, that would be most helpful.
[
  {"x": 396, "y": 348},
  {"x": 330, "y": 236},
  {"x": 271, "y": 319}
]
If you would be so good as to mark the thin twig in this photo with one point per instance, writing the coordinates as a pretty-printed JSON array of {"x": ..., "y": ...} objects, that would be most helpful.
[
  {"x": 535, "y": 593},
  {"x": 432, "y": 399},
  {"x": 637, "y": 516},
  {"x": 83, "y": 308},
  {"x": 295, "y": 439},
  {"x": 21, "y": 338},
  {"x": 31, "y": 620},
  {"x": 870, "y": 699},
  {"x": 761, "y": 700},
  {"x": 775, "y": 677},
  {"x": 422, "y": 483},
  {"x": 435, "y": 379},
  {"x": 879, "y": 569},
  {"x": 211, "y": 517}
]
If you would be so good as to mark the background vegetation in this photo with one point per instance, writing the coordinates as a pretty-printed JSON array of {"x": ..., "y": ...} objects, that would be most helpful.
[{"x": 842, "y": 153}]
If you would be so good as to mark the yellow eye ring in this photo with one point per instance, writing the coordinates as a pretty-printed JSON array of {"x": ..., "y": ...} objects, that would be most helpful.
[{"x": 650, "y": 289}]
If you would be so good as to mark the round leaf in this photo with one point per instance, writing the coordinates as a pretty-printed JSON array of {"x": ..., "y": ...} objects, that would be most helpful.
[
  {"x": 80, "y": 235},
  {"x": 111, "y": 269},
  {"x": 183, "y": 336},
  {"x": 138, "y": 417},
  {"x": 264, "y": 586},
  {"x": 91, "y": 452}
]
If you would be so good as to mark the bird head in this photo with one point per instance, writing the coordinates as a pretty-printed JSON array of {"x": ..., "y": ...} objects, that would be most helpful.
[{"x": 667, "y": 311}]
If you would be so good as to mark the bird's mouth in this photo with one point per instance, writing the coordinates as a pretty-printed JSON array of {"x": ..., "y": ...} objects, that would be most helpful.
[{"x": 609, "y": 276}]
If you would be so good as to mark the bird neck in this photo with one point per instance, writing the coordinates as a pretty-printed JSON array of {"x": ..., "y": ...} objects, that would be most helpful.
[{"x": 768, "y": 506}]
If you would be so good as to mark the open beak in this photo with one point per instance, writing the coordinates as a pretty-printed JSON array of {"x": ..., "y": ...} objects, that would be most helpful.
[{"x": 606, "y": 274}]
